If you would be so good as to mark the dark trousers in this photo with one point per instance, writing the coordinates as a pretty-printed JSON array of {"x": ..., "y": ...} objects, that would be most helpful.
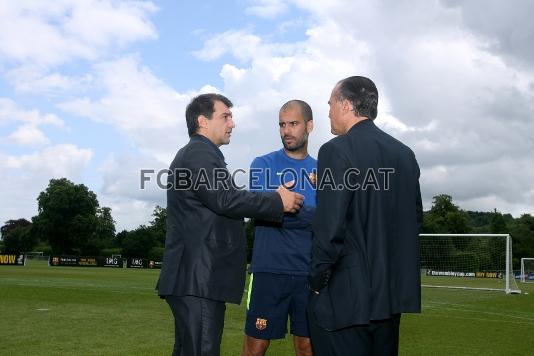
[
  {"x": 379, "y": 338},
  {"x": 198, "y": 325}
]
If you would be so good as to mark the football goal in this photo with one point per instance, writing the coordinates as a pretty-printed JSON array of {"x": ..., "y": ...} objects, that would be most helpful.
[
  {"x": 468, "y": 261},
  {"x": 527, "y": 270}
]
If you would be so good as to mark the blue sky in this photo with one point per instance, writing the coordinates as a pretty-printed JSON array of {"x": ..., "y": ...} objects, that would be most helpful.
[{"x": 96, "y": 90}]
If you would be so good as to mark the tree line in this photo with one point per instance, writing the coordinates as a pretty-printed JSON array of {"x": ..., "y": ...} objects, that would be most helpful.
[
  {"x": 447, "y": 218},
  {"x": 70, "y": 220}
]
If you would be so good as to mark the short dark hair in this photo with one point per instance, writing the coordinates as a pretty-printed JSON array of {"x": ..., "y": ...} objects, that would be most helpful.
[
  {"x": 362, "y": 93},
  {"x": 202, "y": 105},
  {"x": 303, "y": 106}
]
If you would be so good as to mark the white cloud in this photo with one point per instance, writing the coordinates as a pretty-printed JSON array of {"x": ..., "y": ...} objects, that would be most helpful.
[
  {"x": 30, "y": 79},
  {"x": 123, "y": 178},
  {"x": 65, "y": 160},
  {"x": 28, "y": 135},
  {"x": 503, "y": 184},
  {"x": 306, "y": 70},
  {"x": 131, "y": 203},
  {"x": 129, "y": 213},
  {"x": 140, "y": 105},
  {"x": 28, "y": 122},
  {"x": 24, "y": 177},
  {"x": 241, "y": 44},
  {"x": 37, "y": 42},
  {"x": 508, "y": 29},
  {"x": 47, "y": 34},
  {"x": 19, "y": 195},
  {"x": 267, "y": 8},
  {"x": 134, "y": 98},
  {"x": 10, "y": 112},
  {"x": 107, "y": 23},
  {"x": 465, "y": 111}
]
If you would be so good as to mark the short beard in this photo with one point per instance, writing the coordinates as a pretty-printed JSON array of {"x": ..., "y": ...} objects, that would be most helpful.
[{"x": 298, "y": 145}]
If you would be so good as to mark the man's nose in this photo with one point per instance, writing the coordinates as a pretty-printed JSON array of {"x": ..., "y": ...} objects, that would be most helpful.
[{"x": 285, "y": 129}]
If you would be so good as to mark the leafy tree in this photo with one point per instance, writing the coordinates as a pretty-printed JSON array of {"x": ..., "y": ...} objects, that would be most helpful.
[
  {"x": 106, "y": 225},
  {"x": 10, "y": 225},
  {"x": 103, "y": 235},
  {"x": 498, "y": 223},
  {"x": 139, "y": 242},
  {"x": 146, "y": 241},
  {"x": 445, "y": 218},
  {"x": 70, "y": 219},
  {"x": 159, "y": 224},
  {"x": 156, "y": 253},
  {"x": 522, "y": 231},
  {"x": 17, "y": 236},
  {"x": 119, "y": 238},
  {"x": 480, "y": 221}
]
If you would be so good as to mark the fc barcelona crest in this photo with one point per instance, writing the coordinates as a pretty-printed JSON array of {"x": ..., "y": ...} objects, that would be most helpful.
[{"x": 261, "y": 324}]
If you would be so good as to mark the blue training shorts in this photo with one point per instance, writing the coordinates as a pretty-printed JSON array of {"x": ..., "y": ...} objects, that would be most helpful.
[{"x": 271, "y": 298}]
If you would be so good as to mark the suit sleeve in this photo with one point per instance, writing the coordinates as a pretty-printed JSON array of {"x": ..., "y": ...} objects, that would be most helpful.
[
  {"x": 222, "y": 196},
  {"x": 331, "y": 212}
]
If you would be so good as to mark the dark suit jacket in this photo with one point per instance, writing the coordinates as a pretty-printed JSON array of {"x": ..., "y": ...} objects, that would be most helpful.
[
  {"x": 205, "y": 246},
  {"x": 367, "y": 237}
]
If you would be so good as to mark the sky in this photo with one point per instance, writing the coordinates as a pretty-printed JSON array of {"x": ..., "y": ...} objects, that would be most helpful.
[{"x": 96, "y": 90}]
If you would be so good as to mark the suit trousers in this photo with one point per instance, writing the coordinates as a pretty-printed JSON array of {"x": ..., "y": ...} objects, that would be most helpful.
[
  {"x": 198, "y": 325},
  {"x": 379, "y": 338}
]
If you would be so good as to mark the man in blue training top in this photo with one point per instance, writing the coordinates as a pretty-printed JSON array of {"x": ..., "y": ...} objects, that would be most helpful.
[{"x": 281, "y": 256}]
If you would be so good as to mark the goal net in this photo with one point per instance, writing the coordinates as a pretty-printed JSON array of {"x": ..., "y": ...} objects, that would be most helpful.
[
  {"x": 527, "y": 270},
  {"x": 36, "y": 255},
  {"x": 467, "y": 261}
]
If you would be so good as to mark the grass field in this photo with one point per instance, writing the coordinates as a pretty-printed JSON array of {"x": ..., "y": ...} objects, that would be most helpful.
[{"x": 98, "y": 311}]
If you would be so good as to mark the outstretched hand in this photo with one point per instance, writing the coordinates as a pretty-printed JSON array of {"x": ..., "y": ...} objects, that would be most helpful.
[{"x": 292, "y": 201}]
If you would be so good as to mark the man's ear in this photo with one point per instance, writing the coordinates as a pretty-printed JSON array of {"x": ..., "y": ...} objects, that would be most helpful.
[
  {"x": 309, "y": 126},
  {"x": 202, "y": 122},
  {"x": 346, "y": 105}
]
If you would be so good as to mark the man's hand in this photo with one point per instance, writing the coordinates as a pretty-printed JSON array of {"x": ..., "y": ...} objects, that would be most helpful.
[
  {"x": 313, "y": 178},
  {"x": 320, "y": 280},
  {"x": 292, "y": 201}
]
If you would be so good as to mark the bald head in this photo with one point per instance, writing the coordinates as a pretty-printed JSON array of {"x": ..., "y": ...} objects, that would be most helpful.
[{"x": 303, "y": 107}]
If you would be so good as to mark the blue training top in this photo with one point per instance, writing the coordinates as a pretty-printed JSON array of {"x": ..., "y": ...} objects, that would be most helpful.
[{"x": 284, "y": 248}]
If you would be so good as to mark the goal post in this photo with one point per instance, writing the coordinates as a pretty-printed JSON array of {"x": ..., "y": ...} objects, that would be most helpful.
[
  {"x": 468, "y": 261},
  {"x": 527, "y": 269}
]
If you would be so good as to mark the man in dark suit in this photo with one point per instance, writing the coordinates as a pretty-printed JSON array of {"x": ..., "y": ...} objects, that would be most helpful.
[
  {"x": 365, "y": 251},
  {"x": 205, "y": 248}
]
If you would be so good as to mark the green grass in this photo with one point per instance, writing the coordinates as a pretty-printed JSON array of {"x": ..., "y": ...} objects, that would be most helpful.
[
  {"x": 99, "y": 311},
  {"x": 494, "y": 283}
]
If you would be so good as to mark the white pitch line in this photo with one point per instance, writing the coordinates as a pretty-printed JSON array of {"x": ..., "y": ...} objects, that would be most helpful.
[{"x": 522, "y": 320}]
